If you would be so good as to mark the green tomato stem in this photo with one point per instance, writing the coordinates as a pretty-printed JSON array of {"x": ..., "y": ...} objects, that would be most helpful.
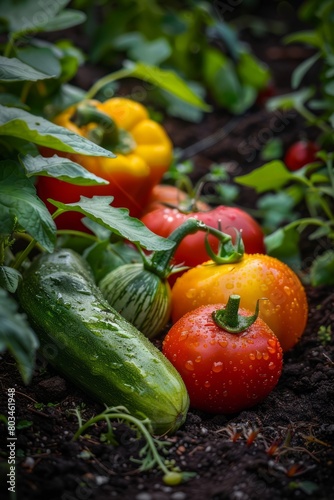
[
  {"x": 159, "y": 262},
  {"x": 230, "y": 320}
]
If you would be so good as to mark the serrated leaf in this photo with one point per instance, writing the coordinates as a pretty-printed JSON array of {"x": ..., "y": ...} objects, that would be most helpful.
[
  {"x": 322, "y": 269},
  {"x": 18, "y": 201},
  {"x": 116, "y": 220},
  {"x": 271, "y": 176},
  {"x": 17, "y": 336},
  {"x": 9, "y": 278},
  {"x": 60, "y": 168},
  {"x": 14, "y": 70},
  {"x": 19, "y": 123}
]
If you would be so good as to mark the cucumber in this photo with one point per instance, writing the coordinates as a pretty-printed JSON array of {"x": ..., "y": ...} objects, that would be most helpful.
[{"x": 92, "y": 345}]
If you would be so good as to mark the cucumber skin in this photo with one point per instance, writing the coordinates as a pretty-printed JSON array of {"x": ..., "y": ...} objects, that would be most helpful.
[{"x": 95, "y": 347}]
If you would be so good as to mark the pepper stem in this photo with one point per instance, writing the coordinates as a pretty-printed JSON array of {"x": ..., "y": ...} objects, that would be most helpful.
[
  {"x": 106, "y": 131},
  {"x": 230, "y": 320},
  {"x": 160, "y": 261}
]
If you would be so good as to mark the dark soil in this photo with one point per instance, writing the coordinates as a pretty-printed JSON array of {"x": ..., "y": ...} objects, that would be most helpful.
[{"x": 280, "y": 449}]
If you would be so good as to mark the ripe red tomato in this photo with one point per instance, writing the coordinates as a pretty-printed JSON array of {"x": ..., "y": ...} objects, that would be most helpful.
[
  {"x": 300, "y": 154},
  {"x": 191, "y": 250},
  {"x": 223, "y": 372},
  {"x": 163, "y": 194}
]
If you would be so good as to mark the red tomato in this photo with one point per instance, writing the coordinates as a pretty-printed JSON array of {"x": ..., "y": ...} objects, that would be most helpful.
[
  {"x": 223, "y": 372},
  {"x": 163, "y": 194},
  {"x": 300, "y": 154},
  {"x": 191, "y": 250}
]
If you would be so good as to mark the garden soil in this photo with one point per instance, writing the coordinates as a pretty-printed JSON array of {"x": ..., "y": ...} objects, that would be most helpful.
[{"x": 280, "y": 449}]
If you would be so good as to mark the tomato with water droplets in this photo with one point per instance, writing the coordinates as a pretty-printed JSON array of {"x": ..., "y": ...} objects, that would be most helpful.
[
  {"x": 253, "y": 277},
  {"x": 223, "y": 372}
]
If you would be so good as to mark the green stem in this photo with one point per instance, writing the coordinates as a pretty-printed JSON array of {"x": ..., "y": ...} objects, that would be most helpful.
[
  {"x": 230, "y": 320},
  {"x": 122, "y": 73},
  {"x": 159, "y": 262},
  {"x": 305, "y": 221},
  {"x": 141, "y": 427},
  {"x": 24, "y": 254},
  {"x": 73, "y": 232},
  {"x": 310, "y": 117}
]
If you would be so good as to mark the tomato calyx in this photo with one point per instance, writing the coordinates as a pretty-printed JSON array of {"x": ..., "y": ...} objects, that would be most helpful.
[
  {"x": 227, "y": 252},
  {"x": 230, "y": 320},
  {"x": 160, "y": 261}
]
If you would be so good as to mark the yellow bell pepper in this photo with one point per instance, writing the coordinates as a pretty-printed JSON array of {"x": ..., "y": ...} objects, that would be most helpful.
[{"x": 142, "y": 146}]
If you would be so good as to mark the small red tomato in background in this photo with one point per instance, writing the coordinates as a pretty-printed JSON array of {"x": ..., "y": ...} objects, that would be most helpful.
[
  {"x": 300, "y": 154},
  {"x": 191, "y": 250},
  {"x": 224, "y": 372}
]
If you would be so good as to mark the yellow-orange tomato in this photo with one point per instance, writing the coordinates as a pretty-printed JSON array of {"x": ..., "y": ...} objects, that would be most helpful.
[{"x": 255, "y": 276}]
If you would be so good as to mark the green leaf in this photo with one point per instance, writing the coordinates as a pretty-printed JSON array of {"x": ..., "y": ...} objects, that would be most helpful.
[
  {"x": 65, "y": 20},
  {"x": 305, "y": 37},
  {"x": 272, "y": 149},
  {"x": 252, "y": 72},
  {"x": 116, "y": 220},
  {"x": 20, "y": 202},
  {"x": 322, "y": 269},
  {"x": 17, "y": 336},
  {"x": 151, "y": 51},
  {"x": 19, "y": 123},
  {"x": 167, "y": 80},
  {"x": 301, "y": 70},
  {"x": 271, "y": 176},
  {"x": 30, "y": 16},
  {"x": 14, "y": 70},
  {"x": 161, "y": 78},
  {"x": 9, "y": 278},
  {"x": 60, "y": 168},
  {"x": 40, "y": 58},
  {"x": 290, "y": 101},
  {"x": 283, "y": 244}
]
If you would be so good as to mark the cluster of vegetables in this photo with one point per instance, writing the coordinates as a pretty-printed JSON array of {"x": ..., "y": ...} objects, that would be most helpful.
[{"x": 98, "y": 331}]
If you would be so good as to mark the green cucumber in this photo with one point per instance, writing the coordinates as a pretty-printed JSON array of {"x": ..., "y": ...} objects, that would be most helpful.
[
  {"x": 84, "y": 338},
  {"x": 141, "y": 296}
]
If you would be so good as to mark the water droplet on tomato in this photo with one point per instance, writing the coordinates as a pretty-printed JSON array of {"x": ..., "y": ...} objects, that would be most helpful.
[
  {"x": 271, "y": 366},
  {"x": 265, "y": 356},
  {"x": 217, "y": 366},
  {"x": 198, "y": 359},
  {"x": 189, "y": 365},
  {"x": 222, "y": 343},
  {"x": 184, "y": 335},
  {"x": 252, "y": 356},
  {"x": 207, "y": 384},
  {"x": 190, "y": 293},
  {"x": 258, "y": 355},
  {"x": 229, "y": 286}
]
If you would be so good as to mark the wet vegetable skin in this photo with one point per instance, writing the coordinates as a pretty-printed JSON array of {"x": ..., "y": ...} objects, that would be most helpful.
[
  {"x": 223, "y": 372},
  {"x": 95, "y": 347},
  {"x": 253, "y": 277}
]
